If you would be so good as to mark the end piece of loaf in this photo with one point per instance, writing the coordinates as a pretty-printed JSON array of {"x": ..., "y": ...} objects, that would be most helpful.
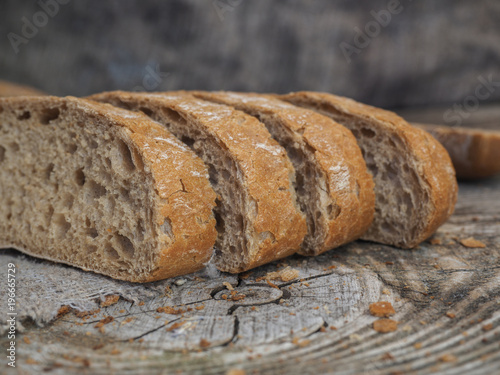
[
  {"x": 415, "y": 184},
  {"x": 8, "y": 89},
  {"x": 333, "y": 185},
  {"x": 258, "y": 218},
  {"x": 103, "y": 189},
  {"x": 475, "y": 152}
]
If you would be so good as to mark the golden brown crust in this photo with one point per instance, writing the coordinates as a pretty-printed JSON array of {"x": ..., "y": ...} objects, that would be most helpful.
[
  {"x": 435, "y": 166},
  {"x": 191, "y": 215},
  {"x": 475, "y": 153},
  {"x": 263, "y": 163},
  {"x": 8, "y": 89},
  {"x": 338, "y": 157}
]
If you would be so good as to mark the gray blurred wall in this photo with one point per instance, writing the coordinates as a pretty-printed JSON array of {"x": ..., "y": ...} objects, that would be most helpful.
[{"x": 387, "y": 53}]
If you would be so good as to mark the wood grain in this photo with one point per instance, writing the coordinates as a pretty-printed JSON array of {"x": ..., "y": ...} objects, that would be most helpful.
[{"x": 446, "y": 297}]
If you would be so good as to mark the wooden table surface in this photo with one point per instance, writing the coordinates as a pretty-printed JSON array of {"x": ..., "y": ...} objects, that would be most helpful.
[{"x": 446, "y": 297}]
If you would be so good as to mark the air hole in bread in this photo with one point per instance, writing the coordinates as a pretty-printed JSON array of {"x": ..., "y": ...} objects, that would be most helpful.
[
  {"x": 91, "y": 249},
  {"x": 407, "y": 201},
  {"x": 125, "y": 194},
  {"x": 71, "y": 148},
  {"x": 92, "y": 232},
  {"x": 388, "y": 228},
  {"x": 80, "y": 177},
  {"x": 14, "y": 146},
  {"x": 109, "y": 205},
  {"x": 368, "y": 133},
  {"x": 219, "y": 222},
  {"x": 392, "y": 174},
  {"x": 68, "y": 201},
  {"x": 2, "y": 153},
  {"x": 140, "y": 231},
  {"x": 123, "y": 104},
  {"x": 111, "y": 253},
  {"x": 126, "y": 246},
  {"x": 333, "y": 211},
  {"x": 173, "y": 116},
  {"x": 147, "y": 111},
  {"x": 226, "y": 175},
  {"x": 95, "y": 190},
  {"x": 48, "y": 171},
  {"x": 49, "y": 114},
  {"x": 212, "y": 173},
  {"x": 122, "y": 158},
  {"x": 48, "y": 214},
  {"x": 61, "y": 225},
  {"x": 187, "y": 141},
  {"x": 93, "y": 144},
  {"x": 24, "y": 116}
]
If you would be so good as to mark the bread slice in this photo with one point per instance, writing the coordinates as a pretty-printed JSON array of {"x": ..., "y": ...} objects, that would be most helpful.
[
  {"x": 258, "y": 218},
  {"x": 103, "y": 189},
  {"x": 415, "y": 184},
  {"x": 14, "y": 89},
  {"x": 333, "y": 186},
  {"x": 475, "y": 153}
]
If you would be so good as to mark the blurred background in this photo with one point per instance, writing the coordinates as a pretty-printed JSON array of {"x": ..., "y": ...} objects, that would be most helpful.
[{"x": 392, "y": 54}]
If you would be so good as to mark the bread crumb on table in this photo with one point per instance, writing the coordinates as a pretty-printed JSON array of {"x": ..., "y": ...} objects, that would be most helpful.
[
  {"x": 448, "y": 358},
  {"x": 285, "y": 275},
  {"x": 385, "y": 325},
  {"x": 472, "y": 242},
  {"x": 108, "y": 319},
  {"x": 204, "y": 343},
  {"x": 175, "y": 326},
  {"x": 450, "y": 315},
  {"x": 382, "y": 309},
  {"x": 63, "y": 310},
  {"x": 301, "y": 343},
  {"x": 235, "y": 371},
  {"x": 435, "y": 241},
  {"x": 170, "y": 310},
  {"x": 488, "y": 327},
  {"x": 110, "y": 300},
  {"x": 228, "y": 286}
]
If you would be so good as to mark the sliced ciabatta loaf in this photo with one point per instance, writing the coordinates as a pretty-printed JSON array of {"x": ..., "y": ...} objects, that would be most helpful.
[
  {"x": 475, "y": 152},
  {"x": 103, "y": 189},
  {"x": 415, "y": 184},
  {"x": 258, "y": 218},
  {"x": 333, "y": 185},
  {"x": 14, "y": 89}
]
